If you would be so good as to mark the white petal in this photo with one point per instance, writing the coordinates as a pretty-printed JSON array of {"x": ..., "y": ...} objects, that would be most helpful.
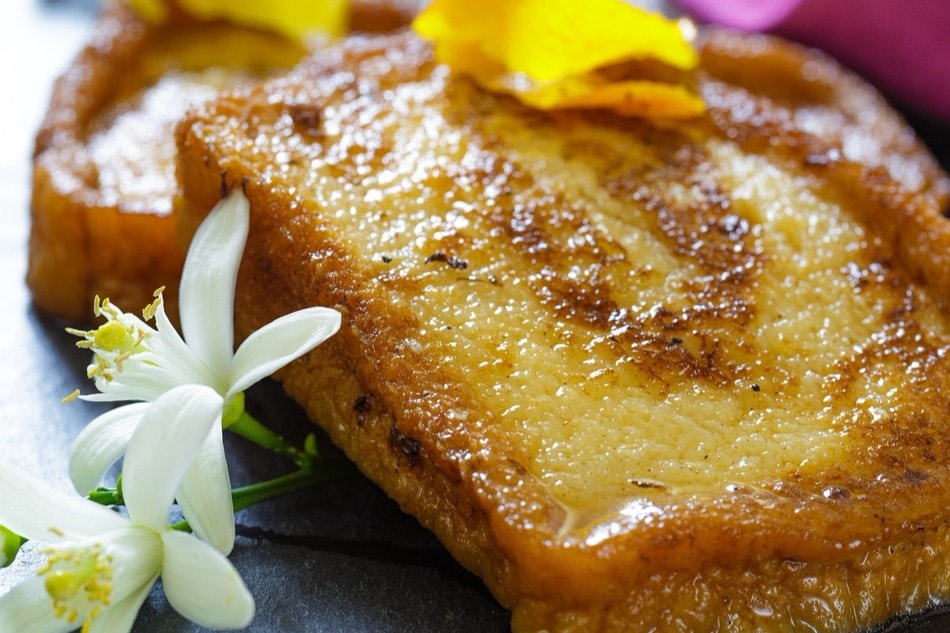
[
  {"x": 27, "y": 608},
  {"x": 35, "y": 509},
  {"x": 180, "y": 359},
  {"x": 206, "y": 294},
  {"x": 130, "y": 320},
  {"x": 279, "y": 342},
  {"x": 202, "y": 585},
  {"x": 118, "y": 391},
  {"x": 163, "y": 448},
  {"x": 205, "y": 495},
  {"x": 120, "y": 617},
  {"x": 101, "y": 444},
  {"x": 137, "y": 555},
  {"x": 142, "y": 378}
]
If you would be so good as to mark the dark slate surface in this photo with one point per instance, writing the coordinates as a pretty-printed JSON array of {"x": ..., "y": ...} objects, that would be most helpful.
[{"x": 340, "y": 558}]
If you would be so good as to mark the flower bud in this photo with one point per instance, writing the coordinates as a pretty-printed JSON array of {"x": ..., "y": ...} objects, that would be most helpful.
[{"x": 10, "y": 544}]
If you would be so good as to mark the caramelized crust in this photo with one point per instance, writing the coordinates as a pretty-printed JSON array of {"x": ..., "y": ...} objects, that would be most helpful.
[
  {"x": 636, "y": 375},
  {"x": 104, "y": 159}
]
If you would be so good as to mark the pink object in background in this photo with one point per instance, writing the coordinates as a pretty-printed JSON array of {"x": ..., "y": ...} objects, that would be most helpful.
[{"x": 902, "y": 46}]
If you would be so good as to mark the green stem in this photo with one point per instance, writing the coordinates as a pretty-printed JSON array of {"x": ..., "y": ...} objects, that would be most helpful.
[
  {"x": 312, "y": 467},
  {"x": 313, "y": 472},
  {"x": 316, "y": 472},
  {"x": 249, "y": 428},
  {"x": 105, "y": 496}
]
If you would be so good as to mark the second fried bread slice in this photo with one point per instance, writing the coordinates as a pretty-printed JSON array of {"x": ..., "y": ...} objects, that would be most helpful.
[
  {"x": 636, "y": 375},
  {"x": 104, "y": 159}
]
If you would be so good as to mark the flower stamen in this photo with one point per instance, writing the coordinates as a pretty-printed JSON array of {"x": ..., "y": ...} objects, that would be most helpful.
[
  {"x": 148, "y": 312},
  {"x": 117, "y": 340},
  {"x": 79, "y": 581}
]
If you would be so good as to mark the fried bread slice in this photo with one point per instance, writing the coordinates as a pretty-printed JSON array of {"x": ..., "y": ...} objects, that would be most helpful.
[
  {"x": 637, "y": 375},
  {"x": 104, "y": 157}
]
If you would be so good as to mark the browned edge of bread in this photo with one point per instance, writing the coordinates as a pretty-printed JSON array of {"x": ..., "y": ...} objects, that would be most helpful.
[
  {"x": 118, "y": 240},
  {"x": 905, "y": 188}
]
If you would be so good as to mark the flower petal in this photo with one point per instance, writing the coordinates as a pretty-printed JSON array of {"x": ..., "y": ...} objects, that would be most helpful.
[
  {"x": 548, "y": 53},
  {"x": 177, "y": 357},
  {"x": 101, "y": 444},
  {"x": 135, "y": 553},
  {"x": 205, "y": 494},
  {"x": 206, "y": 294},
  {"x": 629, "y": 98},
  {"x": 163, "y": 448},
  {"x": 27, "y": 607},
  {"x": 121, "y": 616},
  {"x": 37, "y": 510},
  {"x": 279, "y": 342},
  {"x": 116, "y": 391},
  {"x": 141, "y": 379},
  {"x": 553, "y": 39},
  {"x": 202, "y": 585}
]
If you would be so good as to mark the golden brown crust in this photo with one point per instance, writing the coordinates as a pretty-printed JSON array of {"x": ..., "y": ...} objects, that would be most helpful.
[
  {"x": 103, "y": 176},
  {"x": 839, "y": 128},
  {"x": 771, "y": 298},
  {"x": 104, "y": 156},
  {"x": 382, "y": 16}
]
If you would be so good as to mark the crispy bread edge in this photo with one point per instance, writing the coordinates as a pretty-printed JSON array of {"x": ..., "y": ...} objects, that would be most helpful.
[
  {"x": 79, "y": 245},
  {"x": 75, "y": 242},
  {"x": 339, "y": 394}
]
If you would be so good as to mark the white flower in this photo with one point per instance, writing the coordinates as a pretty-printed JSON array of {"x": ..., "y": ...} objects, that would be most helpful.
[
  {"x": 133, "y": 361},
  {"x": 101, "y": 564}
]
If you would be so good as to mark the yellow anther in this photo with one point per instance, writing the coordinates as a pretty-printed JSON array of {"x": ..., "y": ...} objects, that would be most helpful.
[
  {"x": 148, "y": 312},
  {"x": 120, "y": 359},
  {"x": 70, "y": 397},
  {"x": 101, "y": 369}
]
